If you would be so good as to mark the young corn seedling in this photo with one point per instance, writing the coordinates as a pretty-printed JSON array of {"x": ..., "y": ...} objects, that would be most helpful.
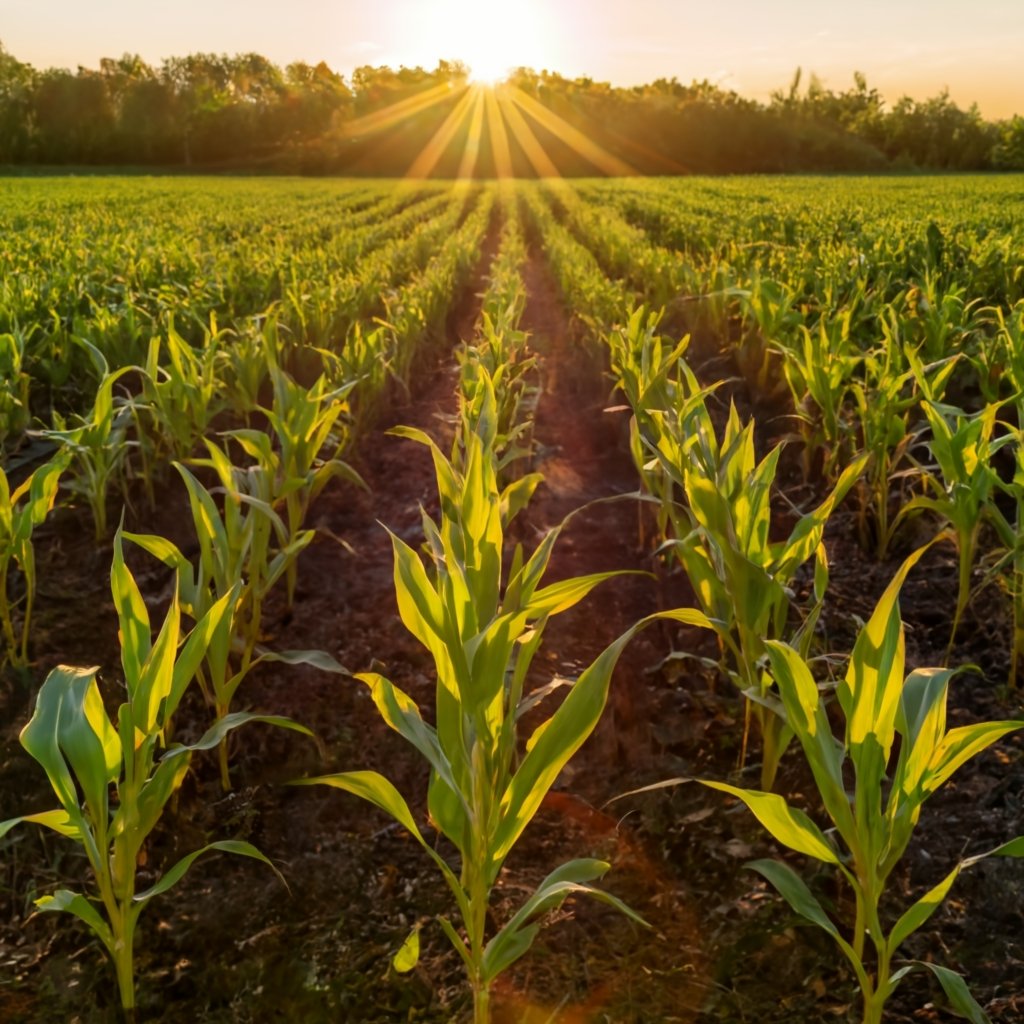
[
  {"x": 244, "y": 550},
  {"x": 496, "y": 367},
  {"x": 20, "y": 512},
  {"x": 938, "y": 315},
  {"x": 98, "y": 445},
  {"x": 741, "y": 577},
  {"x": 871, "y": 830},
  {"x": 84, "y": 754},
  {"x": 1010, "y": 530},
  {"x": 310, "y": 427},
  {"x": 15, "y": 385},
  {"x": 182, "y": 392},
  {"x": 963, "y": 447},
  {"x": 819, "y": 368},
  {"x": 498, "y": 397},
  {"x": 485, "y": 786},
  {"x": 658, "y": 385},
  {"x": 884, "y": 401},
  {"x": 246, "y": 366},
  {"x": 769, "y": 307}
]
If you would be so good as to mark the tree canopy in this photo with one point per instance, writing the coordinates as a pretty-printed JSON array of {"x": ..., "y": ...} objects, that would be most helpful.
[{"x": 214, "y": 111}]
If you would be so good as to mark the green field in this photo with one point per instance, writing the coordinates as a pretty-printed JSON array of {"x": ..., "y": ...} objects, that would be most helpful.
[{"x": 694, "y": 434}]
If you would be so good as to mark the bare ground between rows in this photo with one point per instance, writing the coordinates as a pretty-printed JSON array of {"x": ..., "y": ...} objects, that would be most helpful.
[{"x": 230, "y": 945}]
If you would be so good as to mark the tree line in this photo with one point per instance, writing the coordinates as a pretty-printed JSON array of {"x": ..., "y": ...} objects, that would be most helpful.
[{"x": 210, "y": 111}]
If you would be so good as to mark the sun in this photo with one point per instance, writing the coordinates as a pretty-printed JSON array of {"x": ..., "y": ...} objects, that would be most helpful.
[{"x": 490, "y": 38}]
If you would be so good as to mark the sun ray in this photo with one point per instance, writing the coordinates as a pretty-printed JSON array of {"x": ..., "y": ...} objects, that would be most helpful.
[
  {"x": 434, "y": 149},
  {"x": 400, "y": 111},
  {"x": 499, "y": 136},
  {"x": 471, "y": 153},
  {"x": 572, "y": 137},
  {"x": 539, "y": 160}
]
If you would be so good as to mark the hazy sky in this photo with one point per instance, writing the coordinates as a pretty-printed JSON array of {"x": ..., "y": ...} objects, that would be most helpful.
[{"x": 976, "y": 49}]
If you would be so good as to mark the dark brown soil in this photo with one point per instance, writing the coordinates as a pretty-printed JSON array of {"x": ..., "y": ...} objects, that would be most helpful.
[{"x": 230, "y": 944}]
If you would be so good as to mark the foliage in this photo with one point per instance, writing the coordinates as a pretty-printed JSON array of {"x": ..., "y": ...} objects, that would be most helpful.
[
  {"x": 21, "y": 510},
  {"x": 876, "y": 823},
  {"x": 84, "y": 754}
]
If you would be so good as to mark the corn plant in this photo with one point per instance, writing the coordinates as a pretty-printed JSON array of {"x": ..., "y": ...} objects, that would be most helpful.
[
  {"x": 871, "y": 829},
  {"x": 15, "y": 383},
  {"x": 97, "y": 445},
  {"x": 483, "y": 637},
  {"x": 182, "y": 392},
  {"x": 497, "y": 370},
  {"x": 884, "y": 401},
  {"x": 84, "y": 754},
  {"x": 244, "y": 550},
  {"x": 309, "y": 425},
  {"x": 769, "y": 308},
  {"x": 21, "y": 510},
  {"x": 742, "y": 579},
  {"x": 818, "y": 369},
  {"x": 657, "y": 383},
  {"x": 939, "y": 314},
  {"x": 960, "y": 493},
  {"x": 497, "y": 388},
  {"x": 246, "y": 367},
  {"x": 999, "y": 360},
  {"x": 1009, "y": 528}
]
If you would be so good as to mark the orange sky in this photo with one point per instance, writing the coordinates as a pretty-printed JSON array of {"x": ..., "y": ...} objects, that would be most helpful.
[{"x": 915, "y": 47}]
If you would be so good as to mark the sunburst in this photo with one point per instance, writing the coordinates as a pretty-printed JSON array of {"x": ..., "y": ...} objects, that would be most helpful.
[{"x": 510, "y": 116}]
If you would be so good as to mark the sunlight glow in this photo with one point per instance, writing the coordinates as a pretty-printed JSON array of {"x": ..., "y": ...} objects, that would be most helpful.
[
  {"x": 542, "y": 164},
  {"x": 508, "y": 113},
  {"x": 435, "y": 148},
  {"x": 572, "y": 137},
  {"x": 491, "y": 38},
  {"x": 499, "y": 136},
  {"x": 398, "y": 112},
  {"x": 471, "y": 153}
]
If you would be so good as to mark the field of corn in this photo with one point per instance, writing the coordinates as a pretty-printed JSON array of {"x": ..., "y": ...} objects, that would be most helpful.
[{"x": 516, "y": 602}]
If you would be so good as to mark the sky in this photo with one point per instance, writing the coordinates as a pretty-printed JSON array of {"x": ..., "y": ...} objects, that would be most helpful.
[{"x": 905, "y": 47}]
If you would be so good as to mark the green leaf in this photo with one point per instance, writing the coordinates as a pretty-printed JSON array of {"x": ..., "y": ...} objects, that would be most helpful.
[
  {"x": 377, "y": 790},
  {"x": 89, "y": 741},
  {"x": 958, "y": 994},
  {"x": 794, "y": 891},
  {"x": 959, "y": 745},
  {"x": 152, "y": 798},
  {"x": 371, "y": 786},
  {"x": 171, "y": 877},
  {"x": 806, "y": 715},
  {"x": 408, "y": 956},
  {"x": 215, "y": 624},
  {"x": 515, "y": 938},
  {"x": 76, "y": 904},
  {"x": 559, "y": 597},
  {"x": 563, "y": 735},
  {"x": 789, "y": 825},
  {"x": 213, "y": 736},
  {"x": 1014, "y": 848},
  {"x": 58, "y": 820},
  {"x": 132, "y": 616},
  {"x": 418, "y": 603},
  {"x": 915, "y": 916},
  {"x": 317, "y": 659},
  {"x": 41, "y": 736},
  {"x": 400, "y": 713}
]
